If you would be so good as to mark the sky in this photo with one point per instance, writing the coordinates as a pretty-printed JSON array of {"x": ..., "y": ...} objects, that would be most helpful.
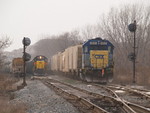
[{"x": 38, "y": 18}]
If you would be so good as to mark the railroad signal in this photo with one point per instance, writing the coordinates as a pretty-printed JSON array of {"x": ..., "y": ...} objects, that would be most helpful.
[
  {"x": 131, "y": 57},
  {"x": 26, "y": 41},
  {"x": 132, "y": 28},
  {"x": 26, "y": 57}
]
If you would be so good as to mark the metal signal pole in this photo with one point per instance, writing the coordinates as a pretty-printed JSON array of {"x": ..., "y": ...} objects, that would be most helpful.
[
  {"x": 26, "y": 57},
  {"x": 134, "y": 47},
  {"x": 132, "y": 28},
  {"x": 24, "y": 66}
]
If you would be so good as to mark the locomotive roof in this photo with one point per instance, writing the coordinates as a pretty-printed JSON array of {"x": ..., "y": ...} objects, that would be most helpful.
[{"x": 98, "y": 39}]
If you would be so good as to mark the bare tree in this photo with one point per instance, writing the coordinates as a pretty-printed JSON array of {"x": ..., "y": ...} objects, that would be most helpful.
[
  {"x": 50, "y": 45},
  {"x": 89, "y": 32},
  {"x": 75, "y": 37},
  {"x": 4, "y": 43},
  {"x": 114, "y": 27}
]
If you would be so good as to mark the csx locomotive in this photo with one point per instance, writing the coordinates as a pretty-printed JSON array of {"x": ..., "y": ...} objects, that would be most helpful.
[
  {"x": 40, "y": 65},
  {"x": 97, "y": 60},
  {"x": 91, "y": 61}
]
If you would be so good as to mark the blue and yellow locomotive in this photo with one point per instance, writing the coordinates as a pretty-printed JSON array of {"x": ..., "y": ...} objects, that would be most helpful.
[
  {"x": 97, "y": 60},
  {"x": 40, "y": 65}
]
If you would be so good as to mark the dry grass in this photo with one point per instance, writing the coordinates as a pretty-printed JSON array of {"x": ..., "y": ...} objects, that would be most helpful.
[
  {"x": 6, "y": 86},
  {"x": 126, "y": 76},
  {"x": 6, "y": 107},
  {"x": 6, "y": 82},
  {"x": 143, "y": 75}
]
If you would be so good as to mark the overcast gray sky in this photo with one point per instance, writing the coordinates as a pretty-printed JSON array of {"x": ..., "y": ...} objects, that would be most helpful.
[{"x": 34, "y": 18}]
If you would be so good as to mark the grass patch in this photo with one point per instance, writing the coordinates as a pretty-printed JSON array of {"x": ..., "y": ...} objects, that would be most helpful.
[
  {"x": 6, "y": 87},
  {"x": 6, "y": 107},
  {"x": 6, "y": 82}
]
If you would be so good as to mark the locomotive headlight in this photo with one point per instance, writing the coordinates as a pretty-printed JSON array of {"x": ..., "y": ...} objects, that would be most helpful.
[{"x": 40, "y": 57}]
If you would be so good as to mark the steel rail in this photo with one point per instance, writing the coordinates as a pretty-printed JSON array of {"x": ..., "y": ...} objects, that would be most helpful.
[
  {"x": 108, "y": 90},
  {"x": 137, "y": 108},
  {"x": 83, "y": 103},
  {"x": 134, "y": 107},
  {"x": 106, "y": 98},
  {"x": 131, "y": 90}
]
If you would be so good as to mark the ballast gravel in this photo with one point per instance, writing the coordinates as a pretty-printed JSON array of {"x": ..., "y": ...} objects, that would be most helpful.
[{"x": 41, "y": 99}]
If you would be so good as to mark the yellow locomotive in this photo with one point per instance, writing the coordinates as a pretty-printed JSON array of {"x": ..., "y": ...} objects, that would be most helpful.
[{"x": 40, "y": 65}]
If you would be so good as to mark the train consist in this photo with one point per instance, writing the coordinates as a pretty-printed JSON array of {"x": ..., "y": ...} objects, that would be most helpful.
[
  {"x": 17, "y": 66},
  {"x": 39, "y": 65},
  {"x": 91, "y": 61}
]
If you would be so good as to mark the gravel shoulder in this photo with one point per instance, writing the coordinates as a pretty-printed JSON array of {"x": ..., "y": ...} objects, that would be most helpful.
[{"x": 40, "y": 99}]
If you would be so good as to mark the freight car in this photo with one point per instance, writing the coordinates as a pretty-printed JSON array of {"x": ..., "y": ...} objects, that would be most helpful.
[
  {"x": 91, "y": 61},
  {"x": 17, "y": 66},
  {"x": 40, "y": 65}
]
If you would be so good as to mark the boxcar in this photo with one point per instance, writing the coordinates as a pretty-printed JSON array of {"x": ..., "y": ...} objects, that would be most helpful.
[{"x": 17, "y": 66}]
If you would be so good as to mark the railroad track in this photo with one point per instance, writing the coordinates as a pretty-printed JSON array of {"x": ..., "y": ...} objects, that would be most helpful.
[
  {"x": 133, "y": 88},
  {"x": 104, "y": 100},
  {"x": 132, "y": 95},
  {"x": 137, "y": 97},
  {"x": 88, "y": 102},
  {"x": 144, "y": 91}
]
